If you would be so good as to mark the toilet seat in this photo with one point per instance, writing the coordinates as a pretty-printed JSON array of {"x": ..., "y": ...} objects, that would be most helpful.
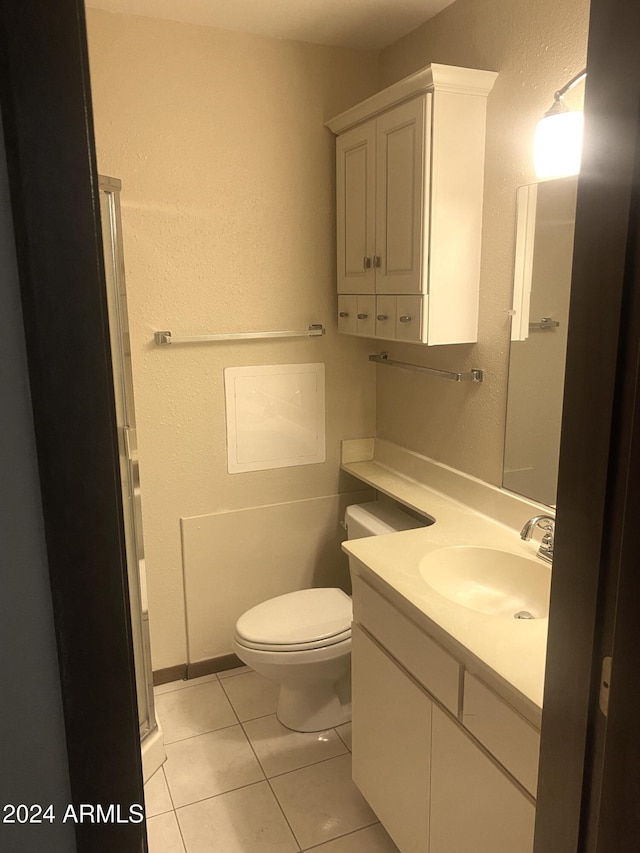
[
  {"x": 293, "y": 647},
  {"x": 305, "y": 619}
]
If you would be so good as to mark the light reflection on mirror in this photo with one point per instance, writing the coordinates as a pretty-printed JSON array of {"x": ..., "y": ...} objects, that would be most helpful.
[{"x": 540, "y": 316}]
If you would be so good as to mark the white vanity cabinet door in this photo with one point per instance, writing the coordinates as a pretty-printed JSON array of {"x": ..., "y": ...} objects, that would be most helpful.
[
  {"x": 391, "y": 744},
  {"x": 400, "y": 197},
  {"x": 355, "y": 200},
  {"x": 475, "y": 807}
]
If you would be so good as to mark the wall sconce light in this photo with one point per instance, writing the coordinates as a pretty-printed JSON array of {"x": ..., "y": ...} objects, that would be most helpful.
[{"x": 557, "y": 144}]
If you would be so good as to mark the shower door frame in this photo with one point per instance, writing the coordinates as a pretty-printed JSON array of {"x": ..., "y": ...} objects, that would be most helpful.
[{"x": 115, "y": 278}]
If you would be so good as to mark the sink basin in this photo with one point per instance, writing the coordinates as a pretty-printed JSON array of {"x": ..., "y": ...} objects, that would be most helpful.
[{"x": 489, "y": 581}]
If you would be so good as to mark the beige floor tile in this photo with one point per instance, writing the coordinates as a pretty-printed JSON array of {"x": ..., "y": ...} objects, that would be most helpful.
[
  {"x": 373, "y": 839},
  {"x": 345, "y": 733},
  {"x": 280, "y": 750},
  {"x": 321, "y": 802},
  {"x": 164, "y": 835},
  {"x": 169, "y": 687},
  {"x": 248, "y": 820},
  {"x": 251, "y": 695},
  {"x": 156, "y": 795},
  {"x": 193, "y": 711},
  {"x": 180, "y": 685},
  {"x": 210, "y": 764},
  {"x": 238, "y": 670}
]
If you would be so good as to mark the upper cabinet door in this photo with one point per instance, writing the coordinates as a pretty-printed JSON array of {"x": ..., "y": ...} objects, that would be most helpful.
[
  {"x": 355, "y": 198},
  {"x": 401, "y": 225}
]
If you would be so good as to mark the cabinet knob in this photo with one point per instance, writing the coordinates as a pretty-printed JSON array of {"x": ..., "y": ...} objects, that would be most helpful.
[
  {"x": 405, "y": 319},
  {"x": 377, "y": 261},
  {"x": 382, "y": 317},
  {"x": 366, "y": 263},
  {"x": 343, "y": 314},
  {"x": 362, "y": 316}
]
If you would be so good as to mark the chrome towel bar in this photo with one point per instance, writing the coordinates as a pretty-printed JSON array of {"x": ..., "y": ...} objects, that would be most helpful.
[
  {"x": 545, "y": 323},
  {"x": 474, "y": 375},
  {"x": 162, "y": 338}
]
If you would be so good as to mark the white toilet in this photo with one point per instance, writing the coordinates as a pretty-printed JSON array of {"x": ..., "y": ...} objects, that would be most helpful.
[{"x": 302, "y": 640}]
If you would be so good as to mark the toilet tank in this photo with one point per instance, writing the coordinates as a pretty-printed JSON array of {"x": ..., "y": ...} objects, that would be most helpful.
[{"x": 378, "y": 517}]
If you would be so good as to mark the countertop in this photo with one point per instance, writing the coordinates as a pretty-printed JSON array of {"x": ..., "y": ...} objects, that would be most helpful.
[{"x": 507, "y": 653}]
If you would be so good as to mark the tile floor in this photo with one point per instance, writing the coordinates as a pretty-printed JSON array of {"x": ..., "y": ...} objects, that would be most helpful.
[{"x": 237, "y": 781}]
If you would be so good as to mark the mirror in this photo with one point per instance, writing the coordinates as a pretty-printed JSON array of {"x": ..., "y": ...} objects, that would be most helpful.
[{"x": 539, "y": 321}]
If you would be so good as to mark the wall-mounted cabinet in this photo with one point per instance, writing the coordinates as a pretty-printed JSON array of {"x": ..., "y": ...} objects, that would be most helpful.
[{"x": 409, "y": 185}]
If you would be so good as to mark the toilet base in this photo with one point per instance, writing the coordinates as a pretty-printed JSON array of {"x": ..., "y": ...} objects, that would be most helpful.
[
  {"x": 314, "y": 708},
  {"x": 315, "y": 684}
]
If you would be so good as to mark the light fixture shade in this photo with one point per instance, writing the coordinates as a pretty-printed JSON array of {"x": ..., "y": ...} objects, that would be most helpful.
[{"x": 557, "y": 145}]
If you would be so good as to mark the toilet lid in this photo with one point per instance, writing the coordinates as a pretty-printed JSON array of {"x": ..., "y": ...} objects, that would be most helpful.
[{"x": 308, "y": 618}]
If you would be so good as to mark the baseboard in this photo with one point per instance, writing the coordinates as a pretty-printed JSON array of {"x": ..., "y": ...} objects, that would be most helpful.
[
  {"x": 186, "y": 671},
  {"x": 171, "y": 673},
  {"x": 219, "y": 664}
]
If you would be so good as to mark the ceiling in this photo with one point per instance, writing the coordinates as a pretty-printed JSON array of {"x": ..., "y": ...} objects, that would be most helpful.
[{"x": 367, "y": 24}]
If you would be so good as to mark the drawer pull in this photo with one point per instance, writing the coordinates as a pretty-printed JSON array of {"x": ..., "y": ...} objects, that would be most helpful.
[
  {"x": 377, "y": 261},
  {"x": 366, "y": 263},
  {"x": 362, "y": 316},
  {"x": 343, "y": 314},
  {"x": 382, "y": 317},
  {"x": 405, "y": 319}
]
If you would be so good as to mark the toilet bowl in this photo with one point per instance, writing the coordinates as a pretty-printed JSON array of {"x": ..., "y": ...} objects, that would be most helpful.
[{"x": 302, "y": 640}]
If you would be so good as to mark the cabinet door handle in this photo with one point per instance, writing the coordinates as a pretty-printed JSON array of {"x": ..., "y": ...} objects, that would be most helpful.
[
  {"x": 343, "y": 314},
  {"x": 405, "y": 319},
  {"x": 366, "y": 263},
  {"x": 377, "y": 261},
  {"x": 362, "y": 316},
  {"x": 382, "y": 317}
]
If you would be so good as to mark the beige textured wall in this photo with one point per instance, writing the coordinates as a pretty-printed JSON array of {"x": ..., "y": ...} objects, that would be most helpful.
[
  {"x": 536, "y": 46},
  {"x": 228, "y": 221}
]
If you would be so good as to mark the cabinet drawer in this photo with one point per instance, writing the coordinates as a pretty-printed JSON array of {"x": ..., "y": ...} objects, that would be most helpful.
[
  {"x": 386, "y": 317},
  {"x": 510, "y": 738},
  {"x": 428, "y": 662},
  {"x": 347, "y": 314},
  {"x": 366, "y": 316},
  {"x": 409, "y": 318}
]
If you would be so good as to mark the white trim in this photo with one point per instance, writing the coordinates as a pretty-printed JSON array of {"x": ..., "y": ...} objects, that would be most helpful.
[
  {"x": 527, "y": 196},
  {"x": 435, "y": 77}
]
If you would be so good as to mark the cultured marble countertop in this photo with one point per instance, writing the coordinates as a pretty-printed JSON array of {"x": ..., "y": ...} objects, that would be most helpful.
[{"x": 507, "y": 653}]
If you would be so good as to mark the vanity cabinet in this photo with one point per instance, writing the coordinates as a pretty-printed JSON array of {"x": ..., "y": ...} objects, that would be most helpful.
[
  {"x": 409, "y": 186},
  {"x": 443, "y": 761}
]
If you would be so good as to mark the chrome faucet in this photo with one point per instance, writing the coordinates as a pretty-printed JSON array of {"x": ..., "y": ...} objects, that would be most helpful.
[{"x": 546, "y": 523}]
